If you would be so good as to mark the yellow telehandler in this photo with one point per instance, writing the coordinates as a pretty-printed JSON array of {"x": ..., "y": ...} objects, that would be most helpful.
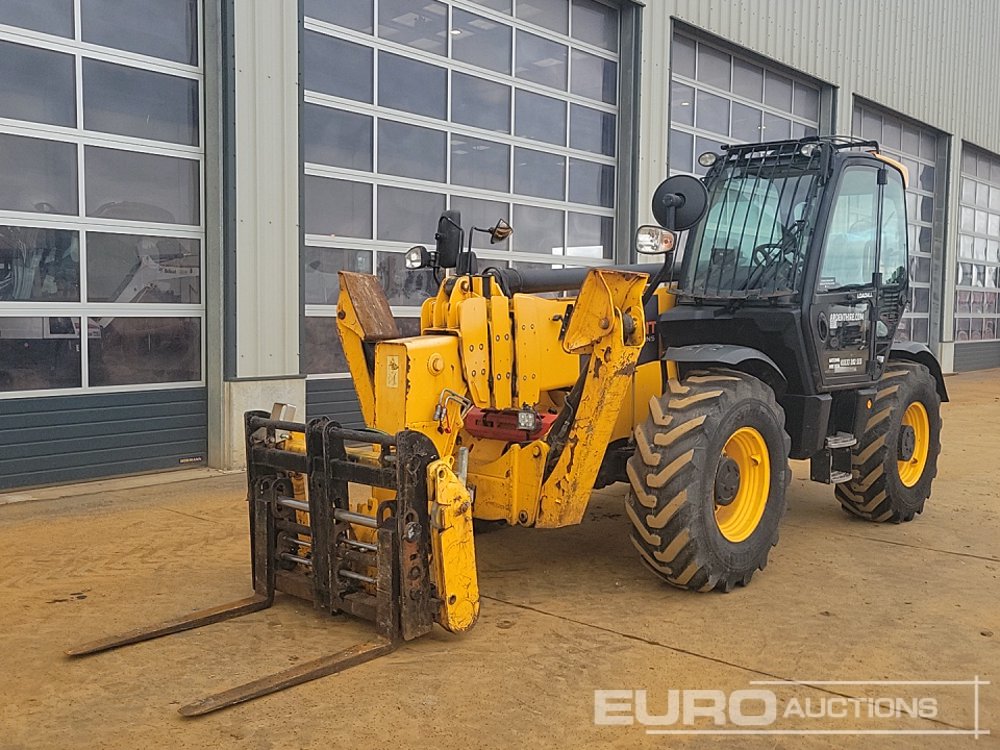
[{"x": 695, "y": 380}]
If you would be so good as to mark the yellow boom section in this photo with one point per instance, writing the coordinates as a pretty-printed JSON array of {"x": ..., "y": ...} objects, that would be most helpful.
[
  {"x": 607, "y": 323},
  {"x": 573, "y": 359}
]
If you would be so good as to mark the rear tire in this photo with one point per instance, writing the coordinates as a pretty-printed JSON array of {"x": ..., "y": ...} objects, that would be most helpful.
[
  {"x": 682, "y": 468},
  {"x": 885, "y": 489}
]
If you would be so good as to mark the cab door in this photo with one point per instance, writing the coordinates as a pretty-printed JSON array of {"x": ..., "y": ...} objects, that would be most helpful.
[
  {"x": 843, "y": 314},
  {"x": 892, "y": 281}
]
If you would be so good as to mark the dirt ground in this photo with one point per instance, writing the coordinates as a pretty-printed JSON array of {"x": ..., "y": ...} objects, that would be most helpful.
[{"x": 565, "y": 612}]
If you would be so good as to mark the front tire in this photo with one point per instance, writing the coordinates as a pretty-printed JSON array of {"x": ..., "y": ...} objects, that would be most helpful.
[
  {"x": 895, "y": 460},
  {"x": 708, "y": 480}
]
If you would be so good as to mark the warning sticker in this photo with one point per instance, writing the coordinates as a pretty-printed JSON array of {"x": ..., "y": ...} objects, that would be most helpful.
[{"x": 392, "y": 371}]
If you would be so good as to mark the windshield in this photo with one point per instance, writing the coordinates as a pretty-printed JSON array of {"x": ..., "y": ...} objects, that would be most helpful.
[{"x": 752, "y": 237}]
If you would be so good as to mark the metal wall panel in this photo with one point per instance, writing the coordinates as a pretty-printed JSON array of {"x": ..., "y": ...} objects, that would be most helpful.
[
  {"x": 334, "y": 398},
  {"x": 932, "y": 61},
  {"x": 267, "y": 188},
  {"x": 72, "y": 438},
  {"x": 977, "y": 356}
]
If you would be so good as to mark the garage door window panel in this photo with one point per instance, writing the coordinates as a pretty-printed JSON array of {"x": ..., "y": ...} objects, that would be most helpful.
[
  {"x": 592, "y": 130},
  {"x": 412, "y": 86},
  {"x": 325, "y": 60},
  {"x": 481, "y": 41},
  {"x": 590, "y": 236},
  {"x": 131, "y": 185},
  {"x": 594, "y": 77},
  {"x": 403, "y": 214},
  {"x": 37, "y": 85},
  {"x": 421, "y": 24},
  {"x": 160, "y": 28},
  {"x": 746, "y": 122},
  {"x": 552, "y": 14},
  {"x": 540, "y": 118},
  {"x": 39, "y": 353},
  {"x": 322, "y": 352},
  {"x": 714, "y": 67},
  {"x": 480, "y": 103},
  {"x": 48, "y": 16},
  {"x": 128, "y": 351},
  {"x": 748, "y": 80},
  {"x": 591, "y": 183},
  {"x": 411, "y": 151},
  {"x": 337, "y": 208},
  {"x": 479, "y": 163},
  {"x": 539, "y": 174},
  {"x": 595, "y": 23},
  {"x": 539, "y": 230},
  {"x": 143, "y": 104},
  {"x": 37, "y": 175},
  {"x": 39, "y": 264},
  {"x": 321, "y": 268},
  {"x": 358, "y": 15},
  {"x": 135, "y": 268},
  {"x": 336, "y": 138},
  {"x": 541, "y": 61}
]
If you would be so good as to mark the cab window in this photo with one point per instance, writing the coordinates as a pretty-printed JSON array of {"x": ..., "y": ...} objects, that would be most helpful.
[
  {"x": 849, "y": 250},
  {"x": 892, "y": 263}
]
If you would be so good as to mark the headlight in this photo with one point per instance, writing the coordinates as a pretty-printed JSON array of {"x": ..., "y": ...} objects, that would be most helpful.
[
  {"x": 707, "y": 159},
  {"x": 417, "y": 257},
  {"x": 527, "y": 420},
  {"x": 650, "y": 240}
]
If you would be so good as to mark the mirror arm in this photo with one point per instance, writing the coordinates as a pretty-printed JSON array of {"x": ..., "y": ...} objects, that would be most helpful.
[
  {"x": 672, "y": 202},
  {"x": 658, "y": 278}
]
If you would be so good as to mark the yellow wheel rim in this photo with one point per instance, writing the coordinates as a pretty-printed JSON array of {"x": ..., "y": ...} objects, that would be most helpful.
[
  {"x": 738, "y": 519},
  {"x": 912, "y": 469}
]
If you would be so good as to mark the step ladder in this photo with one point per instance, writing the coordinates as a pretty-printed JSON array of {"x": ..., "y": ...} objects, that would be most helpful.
[{"x": 832, "y": 465}]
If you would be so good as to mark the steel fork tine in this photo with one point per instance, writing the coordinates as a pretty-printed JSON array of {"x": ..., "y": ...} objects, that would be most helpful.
[
  {"x": 311, "y": 670},
  {"x": 194, "y": 620}
]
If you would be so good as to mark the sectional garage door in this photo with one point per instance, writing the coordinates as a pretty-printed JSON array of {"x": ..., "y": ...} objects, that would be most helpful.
[
  {"x": 101, "y": 238},
  {"x": 498, "y": 108}
]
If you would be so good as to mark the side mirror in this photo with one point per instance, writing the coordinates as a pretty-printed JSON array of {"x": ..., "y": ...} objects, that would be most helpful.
[
  {"x": 500, "y": 232},
  {"x": 449, "y": 239},
  {"x": 680, "y": 202}
]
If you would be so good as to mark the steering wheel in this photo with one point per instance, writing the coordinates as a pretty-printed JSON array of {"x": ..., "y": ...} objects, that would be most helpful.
[{"x": 769, "y": 254}]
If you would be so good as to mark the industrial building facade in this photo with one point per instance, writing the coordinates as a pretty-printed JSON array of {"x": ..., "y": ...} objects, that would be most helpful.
[{"x": 181, "y": 180}]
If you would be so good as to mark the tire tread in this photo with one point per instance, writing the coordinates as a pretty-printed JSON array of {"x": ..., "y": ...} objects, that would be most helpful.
[
  {"x": 871, "y": 494},
  {"x": 670, "y": 457}
]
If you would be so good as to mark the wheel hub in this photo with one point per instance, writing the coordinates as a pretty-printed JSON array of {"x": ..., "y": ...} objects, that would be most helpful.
[
  {"x": 907, "y": 442},
  {"x": 727, "y": 481},
  {"x": 914, "y": 443},
  {"x": 742, "y": 484}
]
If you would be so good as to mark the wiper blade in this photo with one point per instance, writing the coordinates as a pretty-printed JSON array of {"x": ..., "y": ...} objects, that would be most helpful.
[
  {"x": 739, "y": 297},
  {"x": 847, "y": 288}
]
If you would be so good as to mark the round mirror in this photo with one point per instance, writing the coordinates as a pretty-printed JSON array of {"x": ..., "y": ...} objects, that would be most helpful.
[{"x": 680, "y": 202}]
